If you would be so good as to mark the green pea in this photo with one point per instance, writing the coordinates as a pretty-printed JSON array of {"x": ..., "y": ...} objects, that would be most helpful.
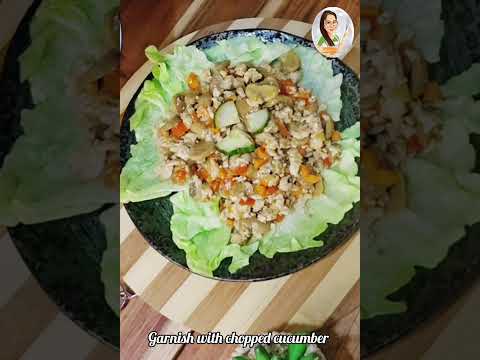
[
  {"x": 296, "y": 351},
  {"x": 261, "y": 353}
]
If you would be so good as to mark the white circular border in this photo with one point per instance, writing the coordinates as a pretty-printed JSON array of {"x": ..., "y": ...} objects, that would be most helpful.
[{"x": 342, "y": 15}]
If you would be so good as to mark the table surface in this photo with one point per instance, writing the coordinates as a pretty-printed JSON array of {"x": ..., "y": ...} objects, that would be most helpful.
[{"x": 141, "y": 26}]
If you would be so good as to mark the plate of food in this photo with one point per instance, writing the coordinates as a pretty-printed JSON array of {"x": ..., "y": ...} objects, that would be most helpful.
[{"x": 239, "y": 154}]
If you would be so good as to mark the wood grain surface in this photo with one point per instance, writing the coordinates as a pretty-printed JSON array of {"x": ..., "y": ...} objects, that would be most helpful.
[{"x": 149, "y": 24}]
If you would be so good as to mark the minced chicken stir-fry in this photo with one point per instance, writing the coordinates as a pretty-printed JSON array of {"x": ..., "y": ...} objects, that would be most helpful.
[
  {"x": 253, "y": 137},
  {"x": 400, "y": 112}
]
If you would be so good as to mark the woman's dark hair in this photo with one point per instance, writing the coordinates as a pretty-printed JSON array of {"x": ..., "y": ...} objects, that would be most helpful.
[{"x": 322, "y": 26}]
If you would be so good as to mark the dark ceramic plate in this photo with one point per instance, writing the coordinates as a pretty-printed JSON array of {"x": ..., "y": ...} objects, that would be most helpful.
[
  {"x": 152, "y": 217},
  {"x": 63, "y": 255},
  {"x": 432, "y": 291}
]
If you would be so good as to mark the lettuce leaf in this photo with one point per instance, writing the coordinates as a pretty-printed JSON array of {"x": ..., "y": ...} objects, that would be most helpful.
[
  {"x": 246, "y": 49},
  {"x": 308, "y": 220},
  {"x": 65, "y": 35},
  {"x": 111, "y": 257},
  {"x": 443, "y": 197},
  {"x": 411, "y": 16},
  {"x": 59, "y": 191},
  {"x": 40, "y": 178},
  {"x": 198, "y": 230},
  {"x": 139, "y": 179},
  {"x": 314, "y": 67}
]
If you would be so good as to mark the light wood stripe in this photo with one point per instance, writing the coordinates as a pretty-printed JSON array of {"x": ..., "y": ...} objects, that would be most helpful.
[
  {"x": 463, "y": 329},
  {"x": 11, "y": 263},
  {"x": 184, "y": 301},
  {"x": 332, "y": 289},
  {"x": 213, "y": 307},
  {"x": 144, "y": 271},
  {"x": 126, "y": 225},
  {"x": 250, "y": 305},
  {"x": 19, "y": 325},
  {"x": 296, "y": 27},
  {"x": 182, "y": 24},
  {"x": 131, "y": 250},
  {"x": 247, "y": 23},
  {"x": 272, "y": 7},
  {"x": 294, "y": 293},
  {"x": 164, "y": 285},
  {"x": 76, "y": 344}
]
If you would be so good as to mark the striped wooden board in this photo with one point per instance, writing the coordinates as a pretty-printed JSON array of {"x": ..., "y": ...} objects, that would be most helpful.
[{"x": 299, "y": 301}]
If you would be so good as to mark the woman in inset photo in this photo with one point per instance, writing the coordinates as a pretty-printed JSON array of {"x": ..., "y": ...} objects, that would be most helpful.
[
  {"x": 332, "y": 32},
  {"x": 328, "y": 28}
]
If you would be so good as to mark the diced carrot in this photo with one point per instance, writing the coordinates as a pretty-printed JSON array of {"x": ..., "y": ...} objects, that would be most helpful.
[
  {"x": 302, "y": 151},
  {"x": 303, "y": 95},
  {"x": 270, "y": 190},
  {"x": 230, "y": 222},
  {"x": 261, "y": 190},
  {"x": 305, "y": 170},
  {"x": 223, "y": 173},
  {"x": 239, "y": 171},
  {"x": 203, "y": 174},
  {"x": 180, "y": 176},
  {"x": 262, "y": 153},
  {"x": 193, "y": 82},
  {"x": 328, "y": 161},
  {"x": 179, "y": 130},
  {"x": 414, "y": 145},
  {"x": 282, "y": 127},
  {"x": 297, "y": 192},
  {"x": 287, "y": 87},
  {"x": 215, "y": 185},
  {"x": 195, "y": 117},
  {"x": 336, "y": 136},
  {"x": 279, "y": 218},
  {"x": 312, "y": 179},
  {"x": 258, "y": 163},
  {"x": 248, "y": 201}
]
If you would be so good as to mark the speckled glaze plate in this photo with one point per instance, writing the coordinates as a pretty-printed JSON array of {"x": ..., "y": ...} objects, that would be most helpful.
[{"x": 152, "y": 217}]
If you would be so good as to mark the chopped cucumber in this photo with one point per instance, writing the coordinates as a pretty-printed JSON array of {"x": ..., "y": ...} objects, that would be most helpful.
[
  {"x": 257, "y": 121},
  {"x": 226, "y": 115},
  {"x": 236, "y": 143}
]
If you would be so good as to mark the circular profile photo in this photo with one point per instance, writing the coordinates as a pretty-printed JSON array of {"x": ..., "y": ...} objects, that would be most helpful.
[{"x": 333, "y": 32}]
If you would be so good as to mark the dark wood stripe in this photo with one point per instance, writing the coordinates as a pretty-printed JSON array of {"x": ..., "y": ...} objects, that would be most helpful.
[
  {"x": 215, "y": 11},
  {"x": 294, "y": 293},
  {"x": 165, "y": 284},
  {"x": 131, "y": 250},
  {"x": 23, "y": 318},
  {"x": 3, "y": 231},
  {"x": 273, "y": 23},
  {"x": 103, "y": 352},
  {"x": 211, "y": 30},
  {"x": 212, "y": 309}
]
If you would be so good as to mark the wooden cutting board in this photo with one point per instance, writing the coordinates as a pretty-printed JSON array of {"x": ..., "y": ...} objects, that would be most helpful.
[{"x": 300, "y": 301}]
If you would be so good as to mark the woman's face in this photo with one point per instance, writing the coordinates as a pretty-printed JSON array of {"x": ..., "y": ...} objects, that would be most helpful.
[{"x": 330, "y": 23}]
